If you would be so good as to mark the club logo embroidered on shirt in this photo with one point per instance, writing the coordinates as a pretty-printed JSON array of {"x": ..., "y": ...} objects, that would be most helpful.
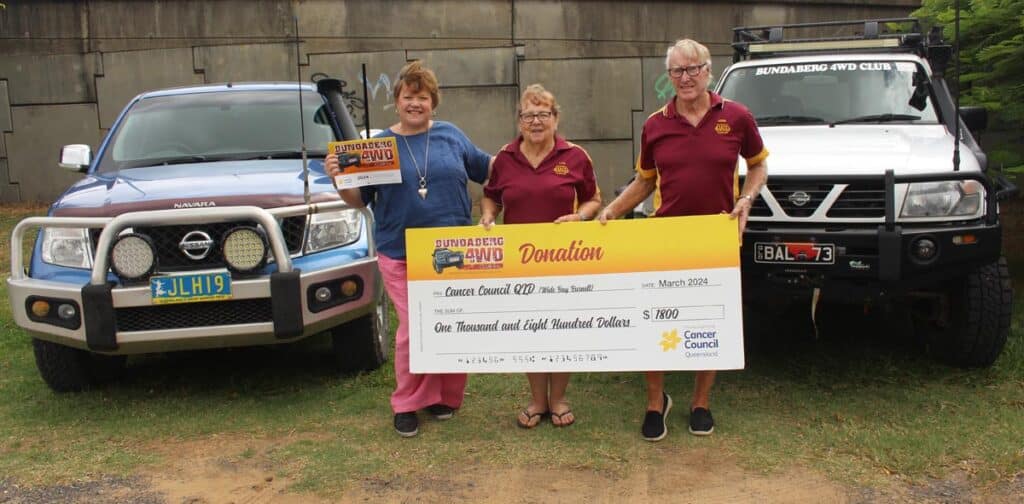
[
  {"x": 561, "y": 169},
  {"x": 722, "y": 127}
]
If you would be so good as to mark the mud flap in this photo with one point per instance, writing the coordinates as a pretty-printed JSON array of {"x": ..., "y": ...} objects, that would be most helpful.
[
  {"x": 286, "y": 304},
  {"x": 100, "y": 321}
]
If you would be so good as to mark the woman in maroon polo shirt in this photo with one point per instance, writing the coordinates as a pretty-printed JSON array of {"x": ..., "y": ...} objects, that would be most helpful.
[
  {"x": 540, "y": 177},
  {"x": 689, "y": 152}
]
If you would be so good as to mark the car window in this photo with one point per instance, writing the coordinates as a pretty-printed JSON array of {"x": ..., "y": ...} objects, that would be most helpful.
[
  {"x": 833, "y": 91},
  {"x": 218, "y": 125}
]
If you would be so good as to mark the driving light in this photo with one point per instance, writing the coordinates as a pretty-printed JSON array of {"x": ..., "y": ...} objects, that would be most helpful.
[
  {"x": 67, "y": 311},
  {"x": 323, "y": 294},
  {"x": 333, "y": 229},
  {"x": 245, "y": 249},
  {"x": 924, "y": 249},
  {"x": 56, "y": 312},
  {"x": 951, "y": 198},
  {"x": 67, "y": 247},
  {"x": 132, "y": 257}
]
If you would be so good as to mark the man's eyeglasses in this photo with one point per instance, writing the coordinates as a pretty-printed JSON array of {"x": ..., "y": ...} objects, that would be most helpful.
[
  {"x": 529, "y": 117},
  {"x": 691, "y": 70}
]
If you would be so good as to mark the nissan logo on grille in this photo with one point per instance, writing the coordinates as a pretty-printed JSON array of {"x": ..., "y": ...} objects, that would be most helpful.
[
  {"x": 196, "y": 245},
  {"x": 799, "y": 198}
]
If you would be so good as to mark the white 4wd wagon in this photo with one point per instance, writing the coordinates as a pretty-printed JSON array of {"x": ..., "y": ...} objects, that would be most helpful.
[{"x": 865, "y": 201}]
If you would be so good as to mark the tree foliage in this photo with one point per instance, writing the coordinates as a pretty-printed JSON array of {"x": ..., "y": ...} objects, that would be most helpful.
[
  {"x": 991, "y": 61},
  {"x": 991, "y": 51}
]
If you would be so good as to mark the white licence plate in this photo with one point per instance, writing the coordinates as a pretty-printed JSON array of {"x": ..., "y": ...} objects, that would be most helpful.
[{"x": 794, "y": 252}]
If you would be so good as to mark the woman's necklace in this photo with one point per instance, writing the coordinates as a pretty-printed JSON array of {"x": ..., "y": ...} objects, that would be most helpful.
[{"x": 423, "y": 176}]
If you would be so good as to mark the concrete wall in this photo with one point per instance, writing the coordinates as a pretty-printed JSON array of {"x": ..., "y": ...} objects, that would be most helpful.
[{"x": 67, "y": 68}]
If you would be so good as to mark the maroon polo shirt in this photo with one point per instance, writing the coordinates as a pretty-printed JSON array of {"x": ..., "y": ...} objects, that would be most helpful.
[
  {"x": 697, "y": 167},
  {"x": 563, "y": 180}
]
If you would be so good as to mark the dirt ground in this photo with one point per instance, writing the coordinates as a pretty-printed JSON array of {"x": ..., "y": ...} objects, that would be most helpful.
[{"x": 199, "y": 472}]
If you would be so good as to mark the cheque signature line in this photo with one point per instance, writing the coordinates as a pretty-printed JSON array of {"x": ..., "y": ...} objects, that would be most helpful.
[
  {"x": 541, "y": 351},
  {"x": 535, "y": 310}
]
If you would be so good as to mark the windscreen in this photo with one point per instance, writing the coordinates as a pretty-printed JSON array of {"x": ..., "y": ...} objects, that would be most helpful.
[
  {"x": 833, "y": 92},
  {"x": 230, "y": 125}
]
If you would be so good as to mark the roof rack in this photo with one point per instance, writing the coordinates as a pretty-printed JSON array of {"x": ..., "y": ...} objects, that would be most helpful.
[{"x": 868, "y": 35}]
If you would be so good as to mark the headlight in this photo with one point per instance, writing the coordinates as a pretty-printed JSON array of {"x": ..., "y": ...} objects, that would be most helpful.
[
  {"x": 67, "y": 247},
  {"x": 954, "y": 198},
  {"x": 333, "y": 229}
]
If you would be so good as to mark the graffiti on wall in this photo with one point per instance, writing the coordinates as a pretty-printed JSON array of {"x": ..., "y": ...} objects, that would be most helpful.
[
  {"x": 383, "y": 82},
  {"x": 663, "y": 87}
]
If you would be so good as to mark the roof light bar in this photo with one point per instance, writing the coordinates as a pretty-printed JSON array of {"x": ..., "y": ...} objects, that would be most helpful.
[{"x": 824, "y": 45}]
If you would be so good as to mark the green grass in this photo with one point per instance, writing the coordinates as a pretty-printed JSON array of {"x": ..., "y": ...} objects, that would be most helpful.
[{"x": 858, "y": 405}]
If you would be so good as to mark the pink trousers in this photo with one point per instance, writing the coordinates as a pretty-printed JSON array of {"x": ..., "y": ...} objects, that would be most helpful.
[{"x": 414, "y": 391}]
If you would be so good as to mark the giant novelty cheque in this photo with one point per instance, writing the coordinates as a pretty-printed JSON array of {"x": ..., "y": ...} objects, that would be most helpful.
[{"x": 632, "y": 295}]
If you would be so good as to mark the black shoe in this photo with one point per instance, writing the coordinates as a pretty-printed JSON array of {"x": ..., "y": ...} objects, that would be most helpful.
[
  {"x": 701, "y": 423},
  {"x": 654, "y": 428},
  {"x": 440, "y": 411},
  {"x": 407, "y": 424}
]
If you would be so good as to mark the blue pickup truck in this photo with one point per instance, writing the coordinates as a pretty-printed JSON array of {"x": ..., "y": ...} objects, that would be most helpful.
[{"x": 198, "y": 224}]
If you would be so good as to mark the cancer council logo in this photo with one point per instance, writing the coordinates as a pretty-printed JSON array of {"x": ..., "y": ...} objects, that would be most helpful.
[{"x": 670, "y": 340}]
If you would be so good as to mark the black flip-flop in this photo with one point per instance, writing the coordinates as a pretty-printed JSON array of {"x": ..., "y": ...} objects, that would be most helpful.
[
  {"x": 560, "y": 415},
  {"x": 529, "y": 418}
]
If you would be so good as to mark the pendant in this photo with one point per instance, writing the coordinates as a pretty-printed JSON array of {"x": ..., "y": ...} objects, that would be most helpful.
[{"x": 423, "y": 188}]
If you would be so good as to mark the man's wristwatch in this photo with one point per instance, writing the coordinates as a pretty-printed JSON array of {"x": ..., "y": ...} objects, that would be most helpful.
[
  {"x": 581, "y": 216},
  {"x": 748, "y": 197}
]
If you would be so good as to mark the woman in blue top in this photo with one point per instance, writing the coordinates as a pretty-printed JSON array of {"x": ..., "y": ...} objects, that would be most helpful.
[{"x": 437, "y": 160}]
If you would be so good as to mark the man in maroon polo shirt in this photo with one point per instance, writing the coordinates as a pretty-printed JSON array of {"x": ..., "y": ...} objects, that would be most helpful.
[{"x": 689, "y": 154}]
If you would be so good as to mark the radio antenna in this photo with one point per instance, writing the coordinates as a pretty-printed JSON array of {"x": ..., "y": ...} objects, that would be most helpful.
[
  {"x": 956, "y": 96},
  {"x": 366, "y": 104},
  {"x": 302, "y": 123}
]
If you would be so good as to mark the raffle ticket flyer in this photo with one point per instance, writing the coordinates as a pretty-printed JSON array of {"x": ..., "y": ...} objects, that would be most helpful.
[{"x": 378, "y": 162}]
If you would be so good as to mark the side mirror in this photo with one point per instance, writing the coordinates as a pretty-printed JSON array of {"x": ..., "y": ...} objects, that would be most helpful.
[
  {"x": 975, "y": 118},
  {"x": 75, "y": 157}
]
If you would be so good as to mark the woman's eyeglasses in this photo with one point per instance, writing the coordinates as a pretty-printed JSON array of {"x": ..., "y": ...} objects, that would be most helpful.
[{"x": 530, "y": 116}]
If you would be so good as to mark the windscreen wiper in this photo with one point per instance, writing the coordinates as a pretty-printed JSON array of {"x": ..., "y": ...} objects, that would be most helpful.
[
  {"x": 878, "y": 118},
  {"x": 280, "y": 154},
  {"x": 191, "y": 158},
  {"x": 788, "y": 119}
]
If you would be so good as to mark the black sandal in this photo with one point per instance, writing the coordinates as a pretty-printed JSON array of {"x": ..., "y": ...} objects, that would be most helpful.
[
  {"x": 529, "y": 418},
  {"x": 560, "y": 415}
]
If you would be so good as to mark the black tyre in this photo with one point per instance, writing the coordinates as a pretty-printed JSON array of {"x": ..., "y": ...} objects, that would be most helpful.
[
  {"x": 978, "y": 318},
  {"x": 67, "y": 369},
  {"x": 360, "y": 345}
]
